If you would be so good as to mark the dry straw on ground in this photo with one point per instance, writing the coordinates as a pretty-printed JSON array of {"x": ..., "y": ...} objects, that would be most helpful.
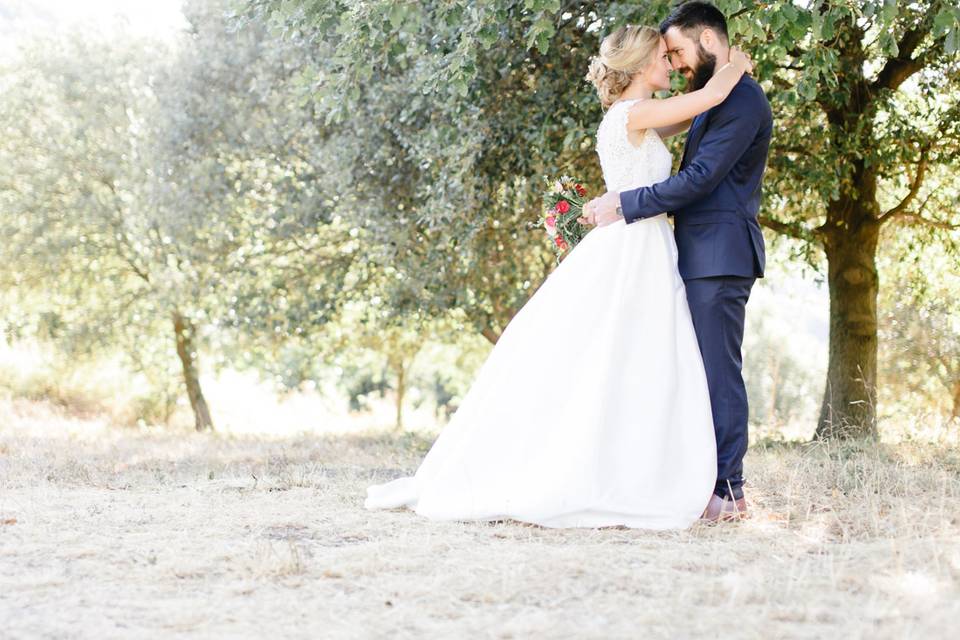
[{"x": 118, "y": 533}]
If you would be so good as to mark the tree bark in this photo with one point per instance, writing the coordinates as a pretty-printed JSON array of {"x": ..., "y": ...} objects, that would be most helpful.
[
  {"x": 401, "y": 369},
  {"x": 774, "y": 387},
  {"x": 956, "y": 401},
  {"x": 491, "y": 335},
  {"x": 850, "y": 238},
  {"x": 184, "y": 331},
  {"x": 849, "y": 400}
]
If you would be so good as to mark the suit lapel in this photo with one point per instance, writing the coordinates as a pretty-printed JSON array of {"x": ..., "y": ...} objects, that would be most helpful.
[{"x": 693, "y": 137}]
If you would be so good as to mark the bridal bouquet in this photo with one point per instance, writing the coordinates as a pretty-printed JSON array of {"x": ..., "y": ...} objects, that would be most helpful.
[{"x": 563, "y": 204}]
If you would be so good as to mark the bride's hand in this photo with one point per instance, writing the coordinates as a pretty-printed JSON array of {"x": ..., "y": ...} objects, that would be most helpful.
[
  {"x": 603, "y": 209},
  {"x": 588, "y": 217},
  {"x": 741, "y": 59}
]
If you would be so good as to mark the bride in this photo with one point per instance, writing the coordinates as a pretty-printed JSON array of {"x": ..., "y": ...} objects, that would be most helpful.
[{"x": 614, "y": 426}]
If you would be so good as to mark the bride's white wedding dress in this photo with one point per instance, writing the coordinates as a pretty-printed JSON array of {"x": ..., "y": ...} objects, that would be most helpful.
[{"x": 592, "y": 409}]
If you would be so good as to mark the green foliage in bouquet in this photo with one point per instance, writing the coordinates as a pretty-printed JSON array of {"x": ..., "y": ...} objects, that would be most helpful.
[{"x": 562, "y": 206}]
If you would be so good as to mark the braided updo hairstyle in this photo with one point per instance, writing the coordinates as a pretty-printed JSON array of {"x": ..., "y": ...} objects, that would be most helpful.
[{"x": 623, "y": 53}]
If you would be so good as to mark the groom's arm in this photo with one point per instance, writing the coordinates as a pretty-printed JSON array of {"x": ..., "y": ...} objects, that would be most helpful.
[{"x": 733, "y": 126}]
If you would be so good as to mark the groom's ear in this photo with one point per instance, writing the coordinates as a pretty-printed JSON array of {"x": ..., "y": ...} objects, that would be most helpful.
[
  {"x": 711, "y": 40},
  {"x": 707, "y": 38}
]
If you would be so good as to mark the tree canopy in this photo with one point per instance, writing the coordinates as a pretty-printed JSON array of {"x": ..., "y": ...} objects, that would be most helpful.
[{"x": 459, "y": 108}]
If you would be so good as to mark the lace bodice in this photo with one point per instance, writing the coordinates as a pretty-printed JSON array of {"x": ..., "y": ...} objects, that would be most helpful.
[{"x": 624, "y": 165}]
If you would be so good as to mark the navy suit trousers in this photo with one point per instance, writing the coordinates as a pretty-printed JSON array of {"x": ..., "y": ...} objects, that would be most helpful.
[{"x": 718, "y": 305}]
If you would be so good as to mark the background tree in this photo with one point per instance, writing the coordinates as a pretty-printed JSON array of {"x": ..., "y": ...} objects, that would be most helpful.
[
  {"x": 479, "y": 100},
  {"x": 182, "y": 201},
  {"x": 920, "y": 332},
  {"x": 448, "y": 142},
  {"x": 250, "y": 174},
  {"x": 75, "y": 117},
  {"x": 846, "y": 128}
]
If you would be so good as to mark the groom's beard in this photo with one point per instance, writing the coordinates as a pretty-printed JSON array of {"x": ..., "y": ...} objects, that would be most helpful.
[{"x": 706, "y": 65}]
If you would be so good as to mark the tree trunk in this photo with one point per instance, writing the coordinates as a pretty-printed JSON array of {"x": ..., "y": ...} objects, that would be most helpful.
[
  {"x": 956, "y": 401},
  {"x": 491, "y": 335},
  {"x": 184, "y": 331},
  {"x": 849, "y": 401},
  {"x": 401, "y": 391},
  {"x": 774, "y": 387}
]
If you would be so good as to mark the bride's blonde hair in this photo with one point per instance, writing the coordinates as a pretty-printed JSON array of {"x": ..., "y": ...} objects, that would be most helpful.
[{"x": 623, "y": 53}]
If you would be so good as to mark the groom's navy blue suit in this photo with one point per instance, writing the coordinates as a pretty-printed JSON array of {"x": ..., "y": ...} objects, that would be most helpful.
[{"x": 714, "y": 200}]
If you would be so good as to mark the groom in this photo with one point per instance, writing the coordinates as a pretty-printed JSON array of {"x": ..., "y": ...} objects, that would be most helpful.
[{"x": 714, "y": 201}]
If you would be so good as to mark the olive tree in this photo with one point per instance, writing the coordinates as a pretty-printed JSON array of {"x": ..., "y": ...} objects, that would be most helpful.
[
  {"x": 177, "y": 196},
  {"x": 461, "y": 107}
]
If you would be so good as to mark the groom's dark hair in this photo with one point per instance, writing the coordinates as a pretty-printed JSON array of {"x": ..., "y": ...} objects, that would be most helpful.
[{"x": 693, "y": 17}]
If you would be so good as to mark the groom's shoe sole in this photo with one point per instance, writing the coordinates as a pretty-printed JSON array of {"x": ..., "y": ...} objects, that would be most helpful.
[{"x": 723, "y": 510}]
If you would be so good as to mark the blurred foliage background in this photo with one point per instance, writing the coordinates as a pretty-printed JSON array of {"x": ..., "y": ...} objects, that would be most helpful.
[{"x": 334, "y": 198}]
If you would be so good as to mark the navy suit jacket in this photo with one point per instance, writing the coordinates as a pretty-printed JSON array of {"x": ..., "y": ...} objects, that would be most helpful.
[{"x": 715, "y": 197}]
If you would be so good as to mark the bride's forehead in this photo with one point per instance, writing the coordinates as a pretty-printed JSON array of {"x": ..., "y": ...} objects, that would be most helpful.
[{"x": 664, "y": 48}]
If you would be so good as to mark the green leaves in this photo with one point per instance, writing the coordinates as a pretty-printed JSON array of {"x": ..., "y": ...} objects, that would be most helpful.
[
  {"x": 495, "y": 97},
  {"x": 947, "y": 24},
  {"x": 807, "y": 87},
  {"x": 397, "y": 14},
  {"x": 889, "y": 11},
  {"x": 888, "y": 44},
  {"x": 540, "y": 33},
  {"x": 540, "y": 6},
  {"x": 488, "y": 35}
]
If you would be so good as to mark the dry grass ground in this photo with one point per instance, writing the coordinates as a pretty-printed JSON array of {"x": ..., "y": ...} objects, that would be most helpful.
[{"x": 108, "y": 532}]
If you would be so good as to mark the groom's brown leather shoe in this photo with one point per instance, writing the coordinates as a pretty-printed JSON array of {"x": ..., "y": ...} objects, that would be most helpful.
[{"x": 724, "y": 509}]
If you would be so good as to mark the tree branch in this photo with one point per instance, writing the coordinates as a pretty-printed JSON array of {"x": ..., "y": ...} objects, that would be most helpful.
[
  {"x": 914, "y": 186},
  {"x": 796, "y": 52},
  {"x": 123, "y": 238},
  {"x": 898, "y": 69},
  {"x": 793, "y": 230},
  {"x": 917, "y": 218}
]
